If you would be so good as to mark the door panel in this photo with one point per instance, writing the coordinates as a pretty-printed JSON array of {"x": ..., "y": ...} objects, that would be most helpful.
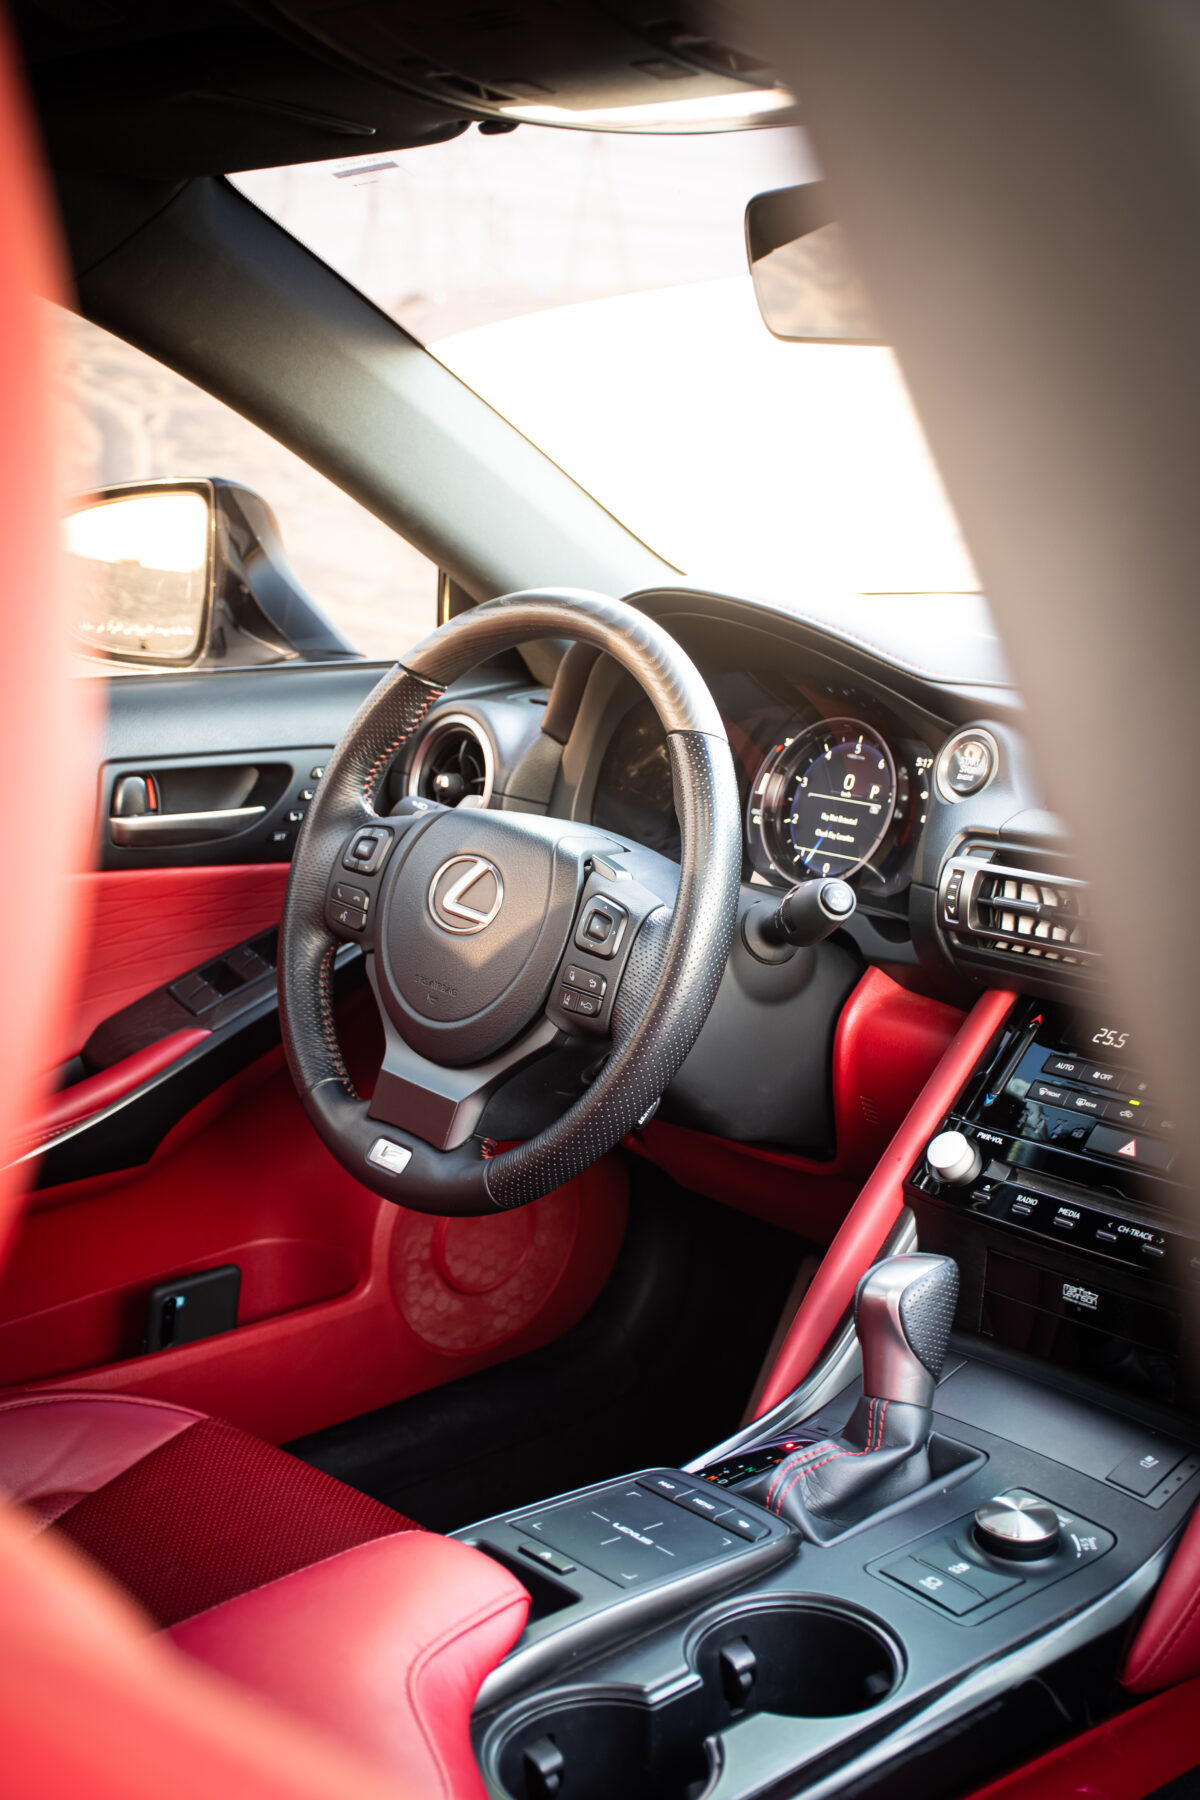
[
  {"x": 347, "y": 1303},
  {"x": 149, "y": 925}
]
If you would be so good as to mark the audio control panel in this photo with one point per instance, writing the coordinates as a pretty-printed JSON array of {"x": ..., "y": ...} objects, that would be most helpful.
[{"x": 1053, "y": 1183}]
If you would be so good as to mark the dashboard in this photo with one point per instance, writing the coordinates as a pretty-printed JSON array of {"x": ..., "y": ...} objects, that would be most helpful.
[
  {"x": 884, "y": 748},
  {"x": 832, "y": 783}
]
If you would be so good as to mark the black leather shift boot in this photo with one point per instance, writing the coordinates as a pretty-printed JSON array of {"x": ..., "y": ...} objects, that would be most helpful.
[{"x": 881, "y": 1456}]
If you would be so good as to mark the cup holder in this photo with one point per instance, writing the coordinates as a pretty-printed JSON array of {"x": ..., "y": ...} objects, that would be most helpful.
[
  {"x": 797, "y": 1659},
  {"x": 591, "y": 1748},
  {"x": 802, "y": 1660}
]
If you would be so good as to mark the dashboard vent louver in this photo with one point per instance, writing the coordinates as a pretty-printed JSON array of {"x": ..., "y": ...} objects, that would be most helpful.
[
  {"x": 453, "y": 763},
  {"x": 993, "y": 897}
]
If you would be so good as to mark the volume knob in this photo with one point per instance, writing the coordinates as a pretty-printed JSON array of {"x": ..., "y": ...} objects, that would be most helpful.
[
  {"x": 953, "y": 1158},
  {"x": 1019, "y": 1527}
]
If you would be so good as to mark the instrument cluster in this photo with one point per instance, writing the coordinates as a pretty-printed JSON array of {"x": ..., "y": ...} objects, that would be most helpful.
[{"x": 835, "y": 796}]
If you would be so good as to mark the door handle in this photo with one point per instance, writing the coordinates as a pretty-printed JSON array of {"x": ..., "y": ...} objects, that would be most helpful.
[{"x": 181, "y": 827}]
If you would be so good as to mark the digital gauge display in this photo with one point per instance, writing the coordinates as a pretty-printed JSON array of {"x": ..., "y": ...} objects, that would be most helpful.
[{"x": 823, "y": 800}]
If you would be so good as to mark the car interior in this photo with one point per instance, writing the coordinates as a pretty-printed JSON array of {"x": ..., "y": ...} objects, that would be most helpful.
[{"x": 635, "y": 1066}]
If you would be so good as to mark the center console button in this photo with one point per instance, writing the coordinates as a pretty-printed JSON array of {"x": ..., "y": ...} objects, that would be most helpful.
[
  {"x": 709, "y": 1506},
  {"x": 943, "y": 1590},
  {"x": 670, "y": 1485},
  {"x": 1046, "y": 1094},
  {"x": 1088, "y": 1103},
  {"x": 1104, "y": 1078},
  {"x": 948, "y": 1559},
  {"x": 1151, "y": 1153},
  {"x": 1142, "y": 1470},
  {"x": 743, "y": 1526},
  {"x": 1065, "y": 1067},
  {"x": 549, "y": 1559}
]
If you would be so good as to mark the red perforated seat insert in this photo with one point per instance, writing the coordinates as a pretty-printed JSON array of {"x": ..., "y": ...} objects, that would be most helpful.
[{"x": 184, "y": 1511}]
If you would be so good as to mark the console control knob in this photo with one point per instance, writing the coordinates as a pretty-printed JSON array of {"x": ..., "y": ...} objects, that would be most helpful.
[
  {"x": 1017, "y": 1528},
  {"x": 953, "y": 1158}
]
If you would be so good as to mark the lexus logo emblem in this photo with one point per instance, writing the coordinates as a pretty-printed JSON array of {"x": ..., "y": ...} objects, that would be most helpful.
[{"x": 465, "y": 895}]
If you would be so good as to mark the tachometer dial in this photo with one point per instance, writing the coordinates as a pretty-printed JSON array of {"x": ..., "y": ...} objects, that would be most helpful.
[{"x": 823, "y": 800}]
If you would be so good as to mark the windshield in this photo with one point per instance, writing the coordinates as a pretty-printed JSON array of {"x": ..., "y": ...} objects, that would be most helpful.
[{"x": 593, "y": 289}]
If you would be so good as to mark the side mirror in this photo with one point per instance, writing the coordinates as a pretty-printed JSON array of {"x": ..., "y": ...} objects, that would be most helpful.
[
  {"x": 805, "y": 281},
  {"x": 190, "y": 574}
]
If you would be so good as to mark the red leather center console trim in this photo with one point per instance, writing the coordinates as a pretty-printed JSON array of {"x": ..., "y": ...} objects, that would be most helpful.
[
  {"x": 887, "y": 1043},
  {"x": 1166, "y": 1649},
  {"x": 95, "y": 1092},
  {"x": 1126, "y": 1758},
  {"x": 143, "y": 927},
  {"x": 878, "y": 1206},
  {"x": 386, "y": 1645}
]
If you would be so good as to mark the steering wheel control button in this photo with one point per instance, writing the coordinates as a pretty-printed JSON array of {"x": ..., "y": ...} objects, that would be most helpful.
[
  {"x": 393, "y": 1159},
  {"x": 951, "y": 1595},
  {"x": 601, "y": 927},
  {"x": 1142, "y": 1470},
  {"x": 585, "y": 980},
  {"x": 953, "y": 1159},
  {"x": 368, "y": 850},
  {"x": 1019, "y": 1527},
  {"x": 568, "y": 999},
  {"x": 348, "y": 918},
  {"x": 347, "y": 895}
]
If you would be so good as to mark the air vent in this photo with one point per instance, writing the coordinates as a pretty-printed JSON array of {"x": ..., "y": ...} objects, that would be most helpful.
[
  {"x": 994, "y": 897},
  {"x": 453, "y": 763}
]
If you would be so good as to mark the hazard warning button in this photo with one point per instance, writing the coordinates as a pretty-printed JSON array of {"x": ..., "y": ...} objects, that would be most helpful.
[{"x": 1144, "y": 1152}]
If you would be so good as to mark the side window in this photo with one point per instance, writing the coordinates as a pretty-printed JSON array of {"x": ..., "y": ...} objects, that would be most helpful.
[{"x": 133, "y": 419}]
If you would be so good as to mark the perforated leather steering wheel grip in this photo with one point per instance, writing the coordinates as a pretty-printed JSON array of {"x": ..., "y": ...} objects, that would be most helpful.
[{"x": 673, "y": 970}]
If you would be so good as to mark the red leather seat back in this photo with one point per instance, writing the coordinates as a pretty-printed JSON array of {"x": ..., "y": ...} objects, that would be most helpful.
[{"x": 47, "y": 732}]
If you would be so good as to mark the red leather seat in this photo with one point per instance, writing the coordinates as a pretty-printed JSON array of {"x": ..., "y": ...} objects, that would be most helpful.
[{"x": 183, "y": 1510}]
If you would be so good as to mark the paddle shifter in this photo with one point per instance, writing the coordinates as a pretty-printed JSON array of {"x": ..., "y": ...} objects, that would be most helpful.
[{"x": 903, "y": 1311}]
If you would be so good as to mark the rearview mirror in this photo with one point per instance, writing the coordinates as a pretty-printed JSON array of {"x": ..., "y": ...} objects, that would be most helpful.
[
  {"x": 189, "y": 574},
  {"x": 805, "y": 281}
]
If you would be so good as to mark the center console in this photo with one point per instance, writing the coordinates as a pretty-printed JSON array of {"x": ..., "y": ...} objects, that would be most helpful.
[
  {"x": 1064, "y": 1212},
  {"x": 831, "y": 1602}
]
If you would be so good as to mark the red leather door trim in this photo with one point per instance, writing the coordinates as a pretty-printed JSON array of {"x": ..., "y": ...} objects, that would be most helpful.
[
  {"x": 1124, "y": 1759},
  {"x": 95, "y": 1092},
  {"x": 385, "y": 1644},
  {"x": 878, "y": 1206},
  {"x": 143, "y": 927}
]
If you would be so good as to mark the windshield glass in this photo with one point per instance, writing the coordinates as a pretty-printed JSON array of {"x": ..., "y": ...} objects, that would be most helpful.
[{"x": 594, "y": 290}]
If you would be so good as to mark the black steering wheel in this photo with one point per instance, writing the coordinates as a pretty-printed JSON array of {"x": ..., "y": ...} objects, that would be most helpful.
[{"x": 491, "y": 938}]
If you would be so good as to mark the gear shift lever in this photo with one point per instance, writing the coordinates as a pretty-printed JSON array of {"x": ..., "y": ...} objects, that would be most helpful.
[{"x": 903, "y": 1311}]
